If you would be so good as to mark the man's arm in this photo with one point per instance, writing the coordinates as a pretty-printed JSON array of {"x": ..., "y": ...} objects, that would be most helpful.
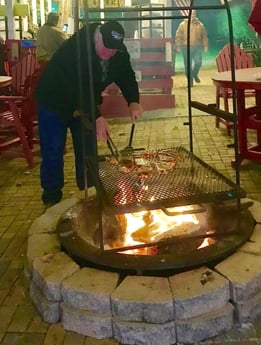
[
  {"x": 179, "y": 41},
  {"x": 204, "y": 39},
  {"x": 126, "y": 80}
]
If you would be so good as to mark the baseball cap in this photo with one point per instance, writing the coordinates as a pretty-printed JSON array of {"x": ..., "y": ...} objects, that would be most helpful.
[{"x": 112, "y": 35}]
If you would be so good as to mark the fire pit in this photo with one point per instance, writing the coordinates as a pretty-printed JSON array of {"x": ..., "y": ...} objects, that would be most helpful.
[
  {"x": 190, "y": 306},
  {"x": 184, "y": 216},
  {"x": 198, "y": 245}
]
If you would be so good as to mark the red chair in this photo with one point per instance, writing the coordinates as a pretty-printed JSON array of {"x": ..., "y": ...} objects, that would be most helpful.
[
  {"x": 20, "y": 71},
  {"x": 29, "y": 112},
  {"x": 242, "y": 59},
  {"x": 18, "y": 120}
]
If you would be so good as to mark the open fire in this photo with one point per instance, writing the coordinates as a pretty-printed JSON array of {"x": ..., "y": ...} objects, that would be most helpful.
[
  {"x": 165, "y": 238},
  {"x": 153, "y": 226}
]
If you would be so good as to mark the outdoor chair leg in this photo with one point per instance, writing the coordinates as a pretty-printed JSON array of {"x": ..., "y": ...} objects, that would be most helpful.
[{"x": 21, "y": 133}]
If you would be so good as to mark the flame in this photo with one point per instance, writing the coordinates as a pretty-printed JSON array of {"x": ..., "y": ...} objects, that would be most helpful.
[
  {"x": 151, "y": 226},
  {"x": 206, "y": 242}
]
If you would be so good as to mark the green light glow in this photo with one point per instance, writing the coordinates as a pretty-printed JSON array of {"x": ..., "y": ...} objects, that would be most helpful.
[{"x": 241, "y": 29}]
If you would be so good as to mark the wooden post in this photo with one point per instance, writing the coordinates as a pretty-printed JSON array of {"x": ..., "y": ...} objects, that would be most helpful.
[
  {"x": 49, "y": 6},
  {"x": 65, "y": 11},
  {"x": 42, "y": 12},
  {"x": 76, "y": 14},
  {"x": 167, "y": 22},
  {"x": 34, "y": 12},
  {"x": 10, "y": 19}
]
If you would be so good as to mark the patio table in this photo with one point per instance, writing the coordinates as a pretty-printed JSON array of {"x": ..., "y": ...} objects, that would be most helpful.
[
  {"x": 5, "y": 81},
  {"x": 248, "y": 118}
]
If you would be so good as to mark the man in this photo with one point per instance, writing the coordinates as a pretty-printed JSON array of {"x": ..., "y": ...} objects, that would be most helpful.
[
  {"x": 198, "y": 43},
  {"x": 64, "y": 92},
  {"x": 49, "y": 38}
]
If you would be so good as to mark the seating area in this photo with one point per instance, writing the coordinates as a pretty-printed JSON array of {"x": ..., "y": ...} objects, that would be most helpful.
[
  {"x": 13, "y": 130},
  {"x": 242, "y": 59},
  {"x": 18, "y": 114}
]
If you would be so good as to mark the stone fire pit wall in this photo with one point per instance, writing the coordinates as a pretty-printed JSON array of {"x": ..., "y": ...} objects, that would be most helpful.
[{"x": 187, "y": 307}]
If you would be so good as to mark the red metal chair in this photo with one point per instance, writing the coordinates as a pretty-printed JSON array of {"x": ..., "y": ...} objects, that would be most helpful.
[
  {"x": 242, "y": 59},
  {"x": 13, "y": 133}
]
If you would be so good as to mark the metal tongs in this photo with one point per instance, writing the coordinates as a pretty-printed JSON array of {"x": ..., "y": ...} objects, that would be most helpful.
[
  {"x": 113, "y": 148},
  {"x": 128, "y": 150}
]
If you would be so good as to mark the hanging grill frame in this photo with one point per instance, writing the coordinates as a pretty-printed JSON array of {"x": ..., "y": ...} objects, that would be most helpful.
[{"x": 106, "y": 195}]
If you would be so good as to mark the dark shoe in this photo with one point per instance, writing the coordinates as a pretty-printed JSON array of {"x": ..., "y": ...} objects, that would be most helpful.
[
  {"x": 49, "y": 204},
  {"x": 51, "y": 198},
  {"x": 197, "y": 80}
]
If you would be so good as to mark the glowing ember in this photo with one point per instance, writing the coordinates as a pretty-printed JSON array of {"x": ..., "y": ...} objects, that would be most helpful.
[
  {"x": 142, "y": 251},
  {"x": 125, "y": 194}
]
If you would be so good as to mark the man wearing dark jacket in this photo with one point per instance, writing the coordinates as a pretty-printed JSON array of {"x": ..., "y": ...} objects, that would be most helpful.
[{"x": 64, "y": 91}]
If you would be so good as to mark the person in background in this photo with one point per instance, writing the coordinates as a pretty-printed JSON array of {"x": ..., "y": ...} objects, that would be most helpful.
[
  {"x": 64, "y": 96},
  {"x": 198, "y": 44},
  {"x": 49, "y": 38}
]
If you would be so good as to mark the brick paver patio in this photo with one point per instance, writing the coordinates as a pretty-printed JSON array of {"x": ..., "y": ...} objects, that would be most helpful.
[{"x": 20, "y": 204}]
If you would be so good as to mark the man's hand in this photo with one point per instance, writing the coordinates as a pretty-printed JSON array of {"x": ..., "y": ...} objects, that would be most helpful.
[
  {"x": 102, "y": 129},
  {"x": 76, "y": 113},
  {"x": 135, "y": 111}
]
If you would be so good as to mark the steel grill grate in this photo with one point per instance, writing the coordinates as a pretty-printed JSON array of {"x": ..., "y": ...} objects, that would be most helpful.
[{"x": 190, "y": 181}]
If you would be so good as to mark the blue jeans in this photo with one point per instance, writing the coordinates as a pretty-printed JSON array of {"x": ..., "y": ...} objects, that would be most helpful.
[
  {"x": 195, "y": 58},
  {"x": 52, "y": 134}
]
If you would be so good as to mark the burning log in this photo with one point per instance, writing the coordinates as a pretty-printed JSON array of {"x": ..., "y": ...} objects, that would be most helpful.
[
  {"x": 145, "y": 233},
  {"x": 178, "y": 230}
]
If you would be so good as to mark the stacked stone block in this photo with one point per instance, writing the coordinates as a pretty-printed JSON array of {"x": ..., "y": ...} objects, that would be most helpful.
[
  {"x": 143, "y": 311},
  {"x": 201, "y": 302},
  {"x": 45, "y": 288},
  {"x": 86, "y": 307},
  {"x": 243, "y": 270},
  {"x": 46, "y": 266}
]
